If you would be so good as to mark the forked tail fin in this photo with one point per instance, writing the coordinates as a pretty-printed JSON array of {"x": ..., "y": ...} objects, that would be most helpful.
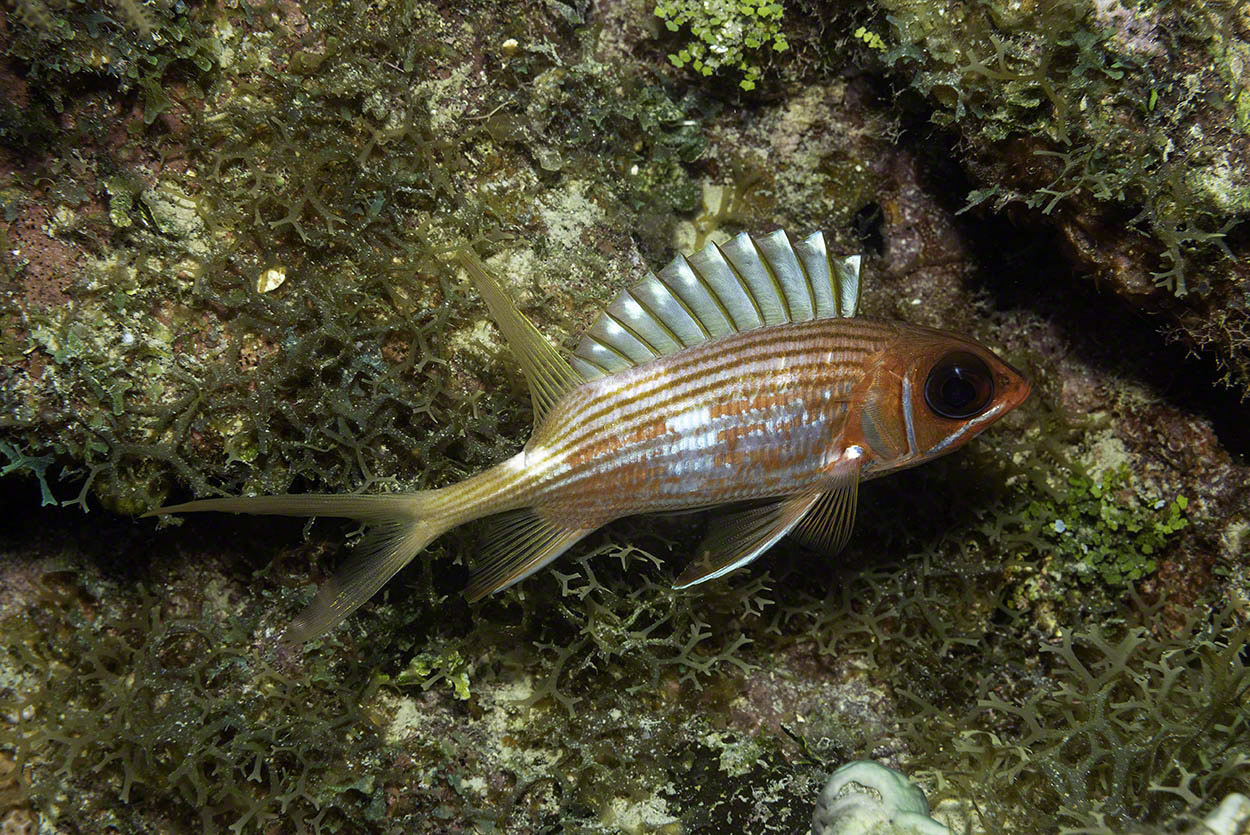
[{"x": 401, "y": 525}]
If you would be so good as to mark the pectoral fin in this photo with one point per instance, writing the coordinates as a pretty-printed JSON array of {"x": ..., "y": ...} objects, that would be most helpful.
[
  {"x": 821, "y": 520},
  {"x": 741, "y": 537},
  {"x": 828, "y": 524},
  {"x": 518, "y": 544}
]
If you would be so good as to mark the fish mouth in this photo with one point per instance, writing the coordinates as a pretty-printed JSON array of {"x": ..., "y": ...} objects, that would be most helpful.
[
  {"x": 1018, "y": 392},
  {"x": 1015, "y": 388},
  {"x": 1023, "y": 388}
]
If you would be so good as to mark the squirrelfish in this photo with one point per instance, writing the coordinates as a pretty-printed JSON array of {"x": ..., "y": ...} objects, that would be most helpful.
[{"x": 738, "y": 376}]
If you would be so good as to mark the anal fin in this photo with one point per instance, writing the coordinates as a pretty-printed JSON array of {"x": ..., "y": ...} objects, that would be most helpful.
[
  {"x": 386, "y": 548},
  {"x": 741, "y": 537},
  {"x": 519, "y": 543}
]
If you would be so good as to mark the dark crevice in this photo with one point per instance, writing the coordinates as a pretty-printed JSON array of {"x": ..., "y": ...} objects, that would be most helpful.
[
  {"x": 1022, "y": 265},
  {"x": 127, "y": 549},
  {"x": 867, "y": 226}
]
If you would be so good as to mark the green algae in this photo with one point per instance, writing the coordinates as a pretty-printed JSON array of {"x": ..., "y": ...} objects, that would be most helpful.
[
  {"x": 168, "y": 715},
  {"x": 36, "y": 466},
  {"x": 71, "y": 44},
  {"x": 1120, "y": 121},
  {"x": 726, "y": 35},
  {"x": 1078, "y": 736},
  {"x": 427, "y": 668},
  {"x": 596, "y": 696},
  {"x": 353, "y": 182},
  {"x": 1106, "y": 531},
  {"x": 1059, "y": 73}
]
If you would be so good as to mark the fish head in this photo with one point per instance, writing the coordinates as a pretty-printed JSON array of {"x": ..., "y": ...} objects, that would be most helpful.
[{"x": 933, "y": 392}]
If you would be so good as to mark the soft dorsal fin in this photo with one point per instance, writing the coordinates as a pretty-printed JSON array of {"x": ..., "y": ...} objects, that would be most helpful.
[
  {"x": 549, "y": 375},
  {"x": 747, "y": 283}
]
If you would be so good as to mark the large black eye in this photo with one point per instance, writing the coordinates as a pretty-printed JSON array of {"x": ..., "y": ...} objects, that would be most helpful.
[{"x": 959, "y": 386}]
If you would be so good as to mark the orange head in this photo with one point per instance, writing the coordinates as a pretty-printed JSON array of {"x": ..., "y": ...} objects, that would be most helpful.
[{"x": 930, "y": 393}]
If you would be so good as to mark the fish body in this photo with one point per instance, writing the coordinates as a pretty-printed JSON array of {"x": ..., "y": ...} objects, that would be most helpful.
[
  {"x": 738, "y": 376},
  {"x": 751, "y": 415},
  {"x": 758, "y": 414}
]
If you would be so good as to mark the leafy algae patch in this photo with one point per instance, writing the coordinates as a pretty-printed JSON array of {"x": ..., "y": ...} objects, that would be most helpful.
[
  {"x": 726, "y": 35},
  {"x": 1106, "y": 529},
  {"x": 1128, "y": 727},
  {"x": 1120, "y": 124},
  {"x": 1058, "y": 73},
  {"x": 148, "y": 345},
  {"x": 1123, "y": 726},
  {"x": 343, "y": 147}
]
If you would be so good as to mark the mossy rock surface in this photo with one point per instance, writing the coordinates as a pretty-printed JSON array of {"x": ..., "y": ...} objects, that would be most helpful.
[{"x": 225, "y": 232}]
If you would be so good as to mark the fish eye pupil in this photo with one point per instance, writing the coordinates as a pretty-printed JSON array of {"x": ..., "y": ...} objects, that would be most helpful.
[
  {"x": 957, "y": 391},
  {"x": 959, "y": 386}
]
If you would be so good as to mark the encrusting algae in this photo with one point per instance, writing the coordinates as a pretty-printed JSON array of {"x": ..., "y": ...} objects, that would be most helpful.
[{"x": 739, "y": 375}]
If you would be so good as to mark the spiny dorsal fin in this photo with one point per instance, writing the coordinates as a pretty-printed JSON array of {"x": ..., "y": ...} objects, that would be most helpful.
[
  {"x": 747, "y": 283},
  {"x": 549, "y": 375}
]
